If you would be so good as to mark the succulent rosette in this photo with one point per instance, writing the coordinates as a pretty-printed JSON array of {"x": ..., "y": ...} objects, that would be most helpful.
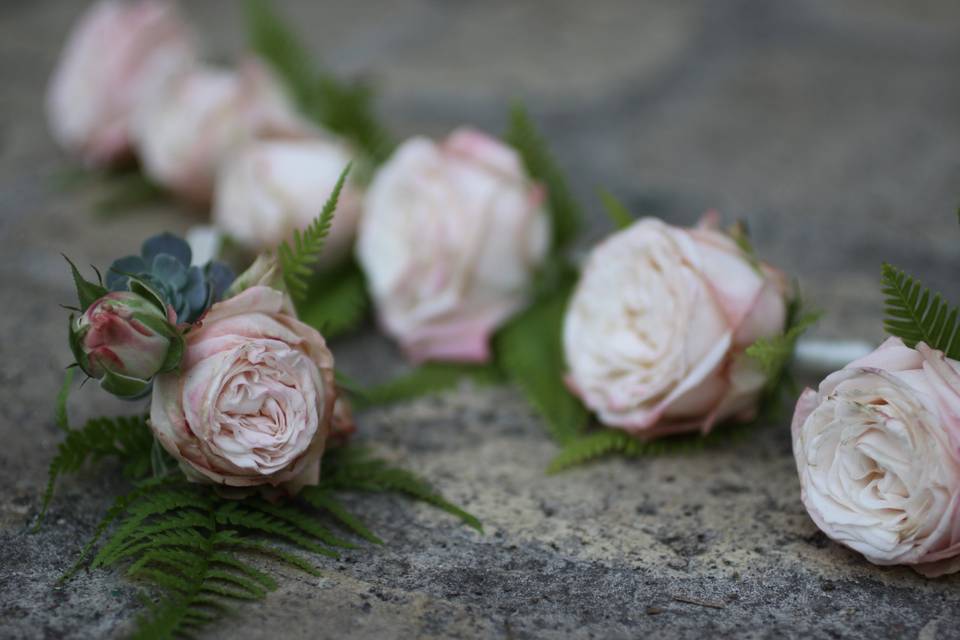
[
  {"x": 124, "y": 339},
  {"x": 164, "y": 265}
]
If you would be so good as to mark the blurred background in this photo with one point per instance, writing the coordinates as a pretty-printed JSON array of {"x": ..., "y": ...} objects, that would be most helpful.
[{"x": 831, "y": 128}]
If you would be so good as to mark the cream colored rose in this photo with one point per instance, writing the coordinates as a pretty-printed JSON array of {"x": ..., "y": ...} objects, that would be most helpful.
[
  {"x": 877, "y": 451},
  {"x": 655, "y": 332},
  {"x": 191, "y": 123},
  {"x": 254, "y": 400},
  {"x": 450, "y": 238},
  {"x": 271, "y": 187},
  {"x": 114, "y": 54}
]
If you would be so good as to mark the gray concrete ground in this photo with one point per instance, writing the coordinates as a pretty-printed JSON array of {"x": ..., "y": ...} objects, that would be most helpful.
[{"x": 832, "y": 128}]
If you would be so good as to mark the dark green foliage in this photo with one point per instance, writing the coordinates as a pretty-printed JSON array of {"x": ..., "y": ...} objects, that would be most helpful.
[
  {"x": 428, "y": 378},
  {"x": 336, "y": 301},
  {"x": 564, "y": 210},
  {"x": 125, "y": 438},
  {"x": 915, "y": 314},
  {"x": 619, "y": 215},
  {"x": 297, "y": 261},
  {"x": 342, "y": 107},
  {"x": 61, "y": 417},
  {"x": 352, "y": 469},
  {"x": 530, "y": 352}
]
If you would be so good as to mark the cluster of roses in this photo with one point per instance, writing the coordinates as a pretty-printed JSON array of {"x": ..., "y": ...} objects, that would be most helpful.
[
  {"x": 243, "y": 393},
  {"x": 450, "y": 236}
]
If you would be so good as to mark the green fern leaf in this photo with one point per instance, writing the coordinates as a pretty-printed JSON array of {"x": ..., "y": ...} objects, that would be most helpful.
[
  {"x": 915, "y": 314},
  {"x": 619, "y": 215},
  {"x": 302, "y": 521},
  {"x": 297, "y": 261},
  {"x": 128, "y": 439},
  {"x": 237, "y": 515},
  {"x": 775, "y": 354},
  {"x": 336, "y": 302},
  {"x": 353, "y": 470},
  {"x": 564, "y": 210},
  {"x": 426, "y": 379},
  {"x": 321, "y": 499},
  {"x": 529, "y": 349},
  {"x": 61, "y": 417}
]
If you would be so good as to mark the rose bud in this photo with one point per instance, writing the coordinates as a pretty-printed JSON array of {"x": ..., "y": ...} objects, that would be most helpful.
[
  {"x": 656, "y": 329},
  {"x": 125, "y": 339},
  {"x": 450, "y": 239},
  {"x": 254, "y": 400},
  {"x": 190, "y": 123},
  {"x": 112, "y": 57},
  {"x": 877, "y": 451},
  {"x": 272, "y": 187}
]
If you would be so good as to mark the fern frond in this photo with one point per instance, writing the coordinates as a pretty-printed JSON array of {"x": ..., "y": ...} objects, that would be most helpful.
[
  {"x": 915, "y": 314},
  {"x": 297, "y": 261},
  {"x": 301, "y": 520},
  {"x": 618, "y": 214},
  {"x": 126, "y": 438},
  {"x": 530, "y": 351},
  {"x": 775, "y": 354},
  {"x": 564, "y": 210},
  {"x": 237, "y": 515},
  {"x": 336, "y": 302},
  {"x": 61, "y": 418},
  {"x": 429, "y": 378},
  {"x": 321, "y": 499},
  {"x": 354, "y": 470}
]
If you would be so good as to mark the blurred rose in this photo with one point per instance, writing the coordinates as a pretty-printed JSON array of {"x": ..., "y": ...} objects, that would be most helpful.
[
  {"x": 657, "y": 327},
  {"x": 450, "y": 238},
  {"x": 125, "y": 339},
  {"x": 877, "y": 452},
  {"x": 272, "y": 187},
  {"x": 112, "y": 57},
  {"x": 254, "y": 400},
  {"x": 192, "y": 122}
]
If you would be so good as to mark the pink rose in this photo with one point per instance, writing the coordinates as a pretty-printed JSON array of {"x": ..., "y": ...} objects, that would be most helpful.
[
  {"x": 656, "y": 330},
  {"x": 451, "y": 236},
  {"x": 124, "y": 339},
  {"x": 271, "y": 187},
  {"x": 112, "y": 57},
  {"x": 254, "y": 400},
  {"x": 877, "y": 451},
  {"x": 189, "y": 124}
]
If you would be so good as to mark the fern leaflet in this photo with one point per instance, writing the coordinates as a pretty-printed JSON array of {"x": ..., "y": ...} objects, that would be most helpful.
[
  {"x": 61, "y": 417},
  {"x": 297, "y": 261},
  {"x": 530, "y": 351},
  {"x": 564, "y": 210},
  {"x": 915, "y": 314},
  {"x": 619, "y": 215},
  {"x": 336, "y": 302},
  {"x": 428, "y": 378}
]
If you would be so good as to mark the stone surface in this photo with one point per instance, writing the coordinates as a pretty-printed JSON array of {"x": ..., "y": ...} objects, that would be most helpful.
[{"x": 831, "y": 128}]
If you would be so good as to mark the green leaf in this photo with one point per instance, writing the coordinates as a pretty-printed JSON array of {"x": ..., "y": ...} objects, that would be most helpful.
[
  {"x": 619, "y": 215},
  {"x": 342, "y": 107},
  {"x": 61, "y": 417},
  {"x": 775, "y": 354},
  {"x": 87, "y": 292},
  {"x": 426, "y": 379},
  {"x": 128, "y": 439},
  {"x": 530, "y": 351},
  {"x": 351, "y": 468},
  {"x": 336, "y": 302},
  {"x": 915, "y": 314},
  {"x": 564, "y": 210},
  {"x": 297, "y": 262},
  {"x": 322, "y": 499}
]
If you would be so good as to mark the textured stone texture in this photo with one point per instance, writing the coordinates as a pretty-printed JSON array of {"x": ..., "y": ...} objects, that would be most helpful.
[{"x": 830, "y": 127}]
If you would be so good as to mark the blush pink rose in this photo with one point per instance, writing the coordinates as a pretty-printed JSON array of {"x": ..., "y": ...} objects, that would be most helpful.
[
  {"x": 655, "y": 332},
  {"x": 272, "y": 187},
  {"x": 254, "y": 400},
  {"x": 114, "y": 54},
  {"x": 191, "y": 123},
  {"x": 450, "y": 239},
  {"x": 878, "y": 453}
]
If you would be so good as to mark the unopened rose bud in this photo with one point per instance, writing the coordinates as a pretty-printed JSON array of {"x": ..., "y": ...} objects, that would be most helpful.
[{"x": 125, "y": 339}]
